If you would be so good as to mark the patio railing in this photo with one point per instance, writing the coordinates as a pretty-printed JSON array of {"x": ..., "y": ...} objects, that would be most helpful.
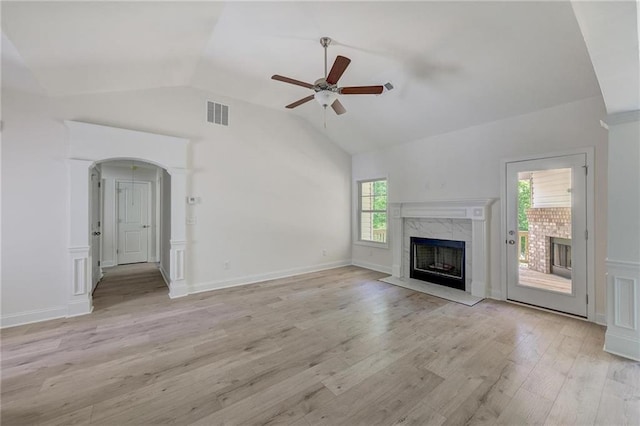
[{"x": 523, "y": 246}]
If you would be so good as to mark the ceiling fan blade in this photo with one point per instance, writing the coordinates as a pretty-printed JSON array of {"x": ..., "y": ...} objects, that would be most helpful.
[
  {"x": 361, "y": 90},
  {"x": 300, "y": 102},
  {"x": 338, "y": 108},
  {"x": 292, "y": 81},
  {"x": 341, "y": 63}
]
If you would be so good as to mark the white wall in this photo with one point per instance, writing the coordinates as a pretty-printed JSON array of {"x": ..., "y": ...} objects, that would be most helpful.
[
  {"x": 623, "y": 255},
  {"x": 274, "y": 192},
  {"x": 624, "y": 192},
  {"x": 34, "y": 210},
  {"x": 467, "y": 163},
  {"x": 111, "y": 174},
  {"x": 165, "y": 223}
]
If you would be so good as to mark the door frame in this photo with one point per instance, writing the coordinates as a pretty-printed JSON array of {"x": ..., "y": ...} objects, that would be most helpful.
[
  {"x": 100, "y": 190},
  {"x": 90, "y": 144},
  {"x": 150, "y": 217},
  {"x": 590, "y": 211}
]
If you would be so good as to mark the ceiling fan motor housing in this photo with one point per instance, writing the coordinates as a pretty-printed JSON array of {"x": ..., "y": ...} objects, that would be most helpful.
[{"x": 325, "y": 97}]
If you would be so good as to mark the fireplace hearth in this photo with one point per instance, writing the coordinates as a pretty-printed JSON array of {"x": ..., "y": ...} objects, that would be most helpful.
[{"x": 438, "y": 261}]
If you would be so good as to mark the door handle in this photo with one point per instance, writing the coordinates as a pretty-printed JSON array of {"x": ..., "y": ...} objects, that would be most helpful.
[
  {"x": 96, "y": 233},
  {"x": 512, "y": 242},
  {"x": 146, "y": 226}
]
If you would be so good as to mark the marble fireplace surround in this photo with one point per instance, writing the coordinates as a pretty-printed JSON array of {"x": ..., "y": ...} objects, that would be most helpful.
[{"x": 476, "y": 211}]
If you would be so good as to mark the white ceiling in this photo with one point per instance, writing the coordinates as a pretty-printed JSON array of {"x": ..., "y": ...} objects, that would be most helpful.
[
  {"x": 612, "y": 36},
  {"x": 453, "y": 64}
]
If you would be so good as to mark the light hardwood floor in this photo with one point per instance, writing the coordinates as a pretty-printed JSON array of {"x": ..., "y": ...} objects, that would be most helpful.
[{"x": 327, "y": 348}]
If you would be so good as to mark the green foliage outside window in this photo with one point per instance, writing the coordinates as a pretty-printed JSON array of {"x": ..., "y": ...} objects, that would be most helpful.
[
  {"x": 524, "y": 203},
  {"x": 380, "y": 203},
  {"x": 373, "y": 211}
]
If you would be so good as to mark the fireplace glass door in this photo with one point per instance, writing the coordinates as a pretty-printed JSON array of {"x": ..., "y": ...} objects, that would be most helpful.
[{"x": 438, "y": 261}]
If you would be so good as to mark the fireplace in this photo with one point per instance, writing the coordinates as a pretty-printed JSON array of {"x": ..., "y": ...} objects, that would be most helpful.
[
  {"x": 460, "y": 220},
  {"x": 438, "y": 261},
  {"x": 560, "y": 257}
]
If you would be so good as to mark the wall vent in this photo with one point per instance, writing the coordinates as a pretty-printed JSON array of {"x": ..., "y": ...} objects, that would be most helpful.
[{"x": 217, "y": 113}]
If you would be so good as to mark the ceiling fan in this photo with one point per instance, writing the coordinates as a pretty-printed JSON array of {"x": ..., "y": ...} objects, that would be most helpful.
[{"x": 326, "y": 89}]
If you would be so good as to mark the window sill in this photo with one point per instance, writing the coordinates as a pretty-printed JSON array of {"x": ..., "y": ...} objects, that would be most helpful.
[{"x": 371, "y": 244}]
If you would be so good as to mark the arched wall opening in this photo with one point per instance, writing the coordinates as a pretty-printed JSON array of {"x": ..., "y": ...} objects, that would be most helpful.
[
  {"x": 130, "y": 215},
  {"x": 91, "y": 144}
]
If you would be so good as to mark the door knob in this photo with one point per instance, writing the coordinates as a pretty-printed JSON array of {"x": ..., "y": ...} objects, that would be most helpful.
[
  {"x": 96, "y": 233},
  {"x": 146, "y": 226},
  {"x": 512, "y": 242}
]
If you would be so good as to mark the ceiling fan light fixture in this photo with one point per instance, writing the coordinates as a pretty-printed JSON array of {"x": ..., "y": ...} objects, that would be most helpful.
[{"x": 325, "y": 97}]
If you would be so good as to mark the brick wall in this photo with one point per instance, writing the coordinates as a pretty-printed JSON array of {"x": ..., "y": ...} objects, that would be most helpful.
[{"x": 545, "y": 223}]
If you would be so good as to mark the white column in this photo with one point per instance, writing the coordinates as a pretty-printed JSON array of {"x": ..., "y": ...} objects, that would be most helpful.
[
  {"x": 79, "y": 246},
  {"x": 623, "y": 230},
  {"x": 177, "y": 284},
  {"x": 396, "y": 240},
  {"x": 479, "y": 257}
]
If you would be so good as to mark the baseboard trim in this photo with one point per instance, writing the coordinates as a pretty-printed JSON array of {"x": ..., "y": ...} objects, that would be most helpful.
[
  {"x": 253, "y": 279},
  {"x": 601, "y": 319},
  {"x": 622, "y": 346},
  {"x": 165, "y": 276},
  {"x": 372, "y": 266},
  {"x": 107, "y": 264},
  {"x": 496, "y": 294},
  {"x": 29, "y": 317}
]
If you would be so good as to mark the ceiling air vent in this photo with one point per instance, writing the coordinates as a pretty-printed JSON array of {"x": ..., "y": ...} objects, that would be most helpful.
[{"x": 217, "y": 113}]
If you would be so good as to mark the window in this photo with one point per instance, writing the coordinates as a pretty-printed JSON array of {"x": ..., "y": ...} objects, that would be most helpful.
[{"x": 372, "y": 210}]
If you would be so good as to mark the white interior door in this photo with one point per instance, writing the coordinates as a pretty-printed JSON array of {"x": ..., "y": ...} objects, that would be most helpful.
[
  {"x": 133, "y": 222},
  {"x": 547, "y": 260},
  {"x": 96, "y": 227}
]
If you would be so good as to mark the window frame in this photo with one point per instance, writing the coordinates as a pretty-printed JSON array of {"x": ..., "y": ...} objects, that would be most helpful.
[{"x": 358, "y": 214}]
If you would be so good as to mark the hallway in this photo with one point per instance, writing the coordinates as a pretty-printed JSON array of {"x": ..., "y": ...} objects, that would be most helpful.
[{"x": 123, "y": 285}]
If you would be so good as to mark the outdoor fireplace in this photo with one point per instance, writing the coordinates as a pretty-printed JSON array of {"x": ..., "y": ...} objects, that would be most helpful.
[
  {"x": 561, "y": 257},
  {"x": 438, "y": 261}
]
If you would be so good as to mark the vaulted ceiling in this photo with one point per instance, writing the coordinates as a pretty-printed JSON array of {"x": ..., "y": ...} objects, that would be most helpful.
[{"x": 453, "y": 64}]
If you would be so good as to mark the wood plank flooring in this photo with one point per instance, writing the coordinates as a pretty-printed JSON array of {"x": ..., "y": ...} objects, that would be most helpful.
[
  {"x": 536, "y": 279},
  {"x": 330, "y": 348}
]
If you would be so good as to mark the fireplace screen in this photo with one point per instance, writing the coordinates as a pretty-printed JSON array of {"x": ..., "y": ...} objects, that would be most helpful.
[{"x": 438, "y": 261}]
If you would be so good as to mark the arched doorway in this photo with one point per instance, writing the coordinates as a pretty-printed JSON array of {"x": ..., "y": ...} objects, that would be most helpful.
[{"x": 90, "y": 144}]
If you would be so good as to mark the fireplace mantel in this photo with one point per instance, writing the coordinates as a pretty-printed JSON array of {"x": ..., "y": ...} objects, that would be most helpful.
[{"x": 476, "y": 210}]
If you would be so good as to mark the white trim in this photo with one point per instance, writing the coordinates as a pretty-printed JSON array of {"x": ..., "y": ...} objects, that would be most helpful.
[
  {"x": 108, "y": 264},
  {"x": 93, "y": 288},
  {"x": 601, "y": 319},
  {"x": 589, "y": 152},
  {"x": 622, "y": 117},
  {"x": 365, "y": 243},
  {"x": 90, "y": 144},
  {"x": 75, "y": 308},
  {"x": 28, "y": 317},
  {"x": 622, "y": 346},
  {"x": 623, "y": 306},
  {"x": 623, "y": 264},
  {"x": 356, "y": 214},
  {"x": 475, "y": 210},
  {"x": 165, "y": 276},
  {"x": 496, "y": 294},
  {"x": 253, "y": 279},
  {"x": 551, "y": 311},
  {"x": 373, "y": 266}
]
